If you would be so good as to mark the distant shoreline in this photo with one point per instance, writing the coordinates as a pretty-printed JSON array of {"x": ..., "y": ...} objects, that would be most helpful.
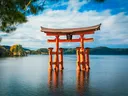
[{"x": 5, "y": 51}]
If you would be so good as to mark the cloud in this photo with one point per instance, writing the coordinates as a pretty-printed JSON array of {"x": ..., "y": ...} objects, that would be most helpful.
[
  {"x": 113, "y": 30},
  {"x": 75, "y": 5}
]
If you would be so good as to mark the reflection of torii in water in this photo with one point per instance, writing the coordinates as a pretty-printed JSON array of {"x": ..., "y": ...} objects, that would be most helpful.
[
  {"x": 55, "y": 81},
  {"x": 82, "y": 81},
  {"x": 82, "y": 53}
]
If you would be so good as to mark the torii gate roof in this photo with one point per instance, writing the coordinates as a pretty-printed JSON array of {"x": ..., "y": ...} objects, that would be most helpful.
[{"x": 72, "y": 31}]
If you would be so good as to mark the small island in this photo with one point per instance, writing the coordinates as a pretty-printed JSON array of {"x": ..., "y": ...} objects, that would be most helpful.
[{"x": 15, "y": 50}]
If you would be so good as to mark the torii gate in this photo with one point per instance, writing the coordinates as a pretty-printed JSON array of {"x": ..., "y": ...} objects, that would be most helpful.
[{"x": 82, "y": 53}]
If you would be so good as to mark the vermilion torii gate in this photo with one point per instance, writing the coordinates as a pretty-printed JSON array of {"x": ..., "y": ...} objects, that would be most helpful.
[{"x": 82, "y": 53}]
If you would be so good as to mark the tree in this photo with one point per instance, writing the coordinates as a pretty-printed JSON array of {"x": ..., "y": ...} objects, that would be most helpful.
[
  {"x": 17, "y": 50},
  {"x": 14, "y": 12},
  {"x": 4, "y": 52}
]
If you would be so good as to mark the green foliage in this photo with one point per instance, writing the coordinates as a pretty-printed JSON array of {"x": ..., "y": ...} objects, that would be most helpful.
[
  {"x": 3, "y": 52},
  {"x": 69, "y": 51},
  {"x": 10, "y": 15},
  {"x": 42, "y": 50},
  {"x": 14, "y": 12},
  {"x": 17, "y": 50},
  {"x": 108, "y": 51}
]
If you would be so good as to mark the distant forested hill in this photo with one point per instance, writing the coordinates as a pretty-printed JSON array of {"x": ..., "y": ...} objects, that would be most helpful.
[
  {"x": 8, "y": 47},
  {"x": 4, "y": 51},
  {"x": 108, "y": 51},
  {"x": 95, "y": 51}
]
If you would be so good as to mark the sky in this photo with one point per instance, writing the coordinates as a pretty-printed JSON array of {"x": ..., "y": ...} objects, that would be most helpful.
[{"x": 112, "y": 14}]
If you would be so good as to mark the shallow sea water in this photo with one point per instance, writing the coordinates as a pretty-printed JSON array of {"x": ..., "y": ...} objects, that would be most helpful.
[{"x": 29, "y": 76}]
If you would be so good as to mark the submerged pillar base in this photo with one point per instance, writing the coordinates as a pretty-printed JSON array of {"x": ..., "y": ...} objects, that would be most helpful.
[
  {"x": 82, "y": 59},
  {"x": 58, "y": 62}
]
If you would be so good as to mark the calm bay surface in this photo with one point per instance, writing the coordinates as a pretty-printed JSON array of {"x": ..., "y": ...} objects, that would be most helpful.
[{"x": 29, "y": 76}]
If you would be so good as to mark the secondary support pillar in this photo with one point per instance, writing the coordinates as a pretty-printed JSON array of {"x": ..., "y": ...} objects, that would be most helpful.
[
  {"x": 58, "y": 56},
  {"x": 50, "y": 58},
  {"x": 82, "y": 56},
  {"x": 78, "y": 59},
  {"x": 61, "y": 59},
  {"x": 87, "y": 58}
]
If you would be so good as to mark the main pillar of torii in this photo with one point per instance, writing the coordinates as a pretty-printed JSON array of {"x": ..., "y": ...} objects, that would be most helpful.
[{"x": 82, "y": 53}]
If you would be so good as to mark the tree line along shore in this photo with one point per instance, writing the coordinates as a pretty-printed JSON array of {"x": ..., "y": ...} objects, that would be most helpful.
[{"x": 18, "y": 50}]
